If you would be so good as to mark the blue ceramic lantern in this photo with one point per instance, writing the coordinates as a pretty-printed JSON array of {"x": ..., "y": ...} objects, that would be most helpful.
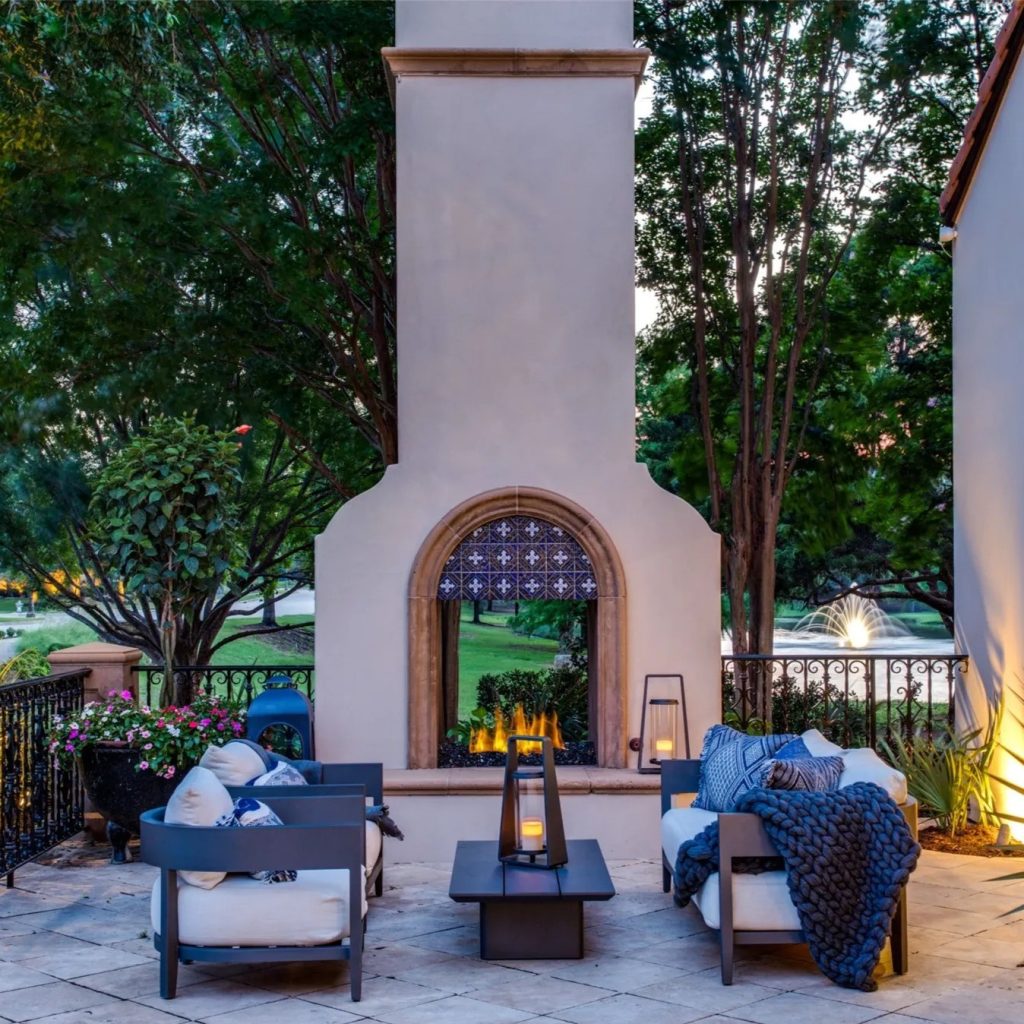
[{"x": 281, "y": 704}]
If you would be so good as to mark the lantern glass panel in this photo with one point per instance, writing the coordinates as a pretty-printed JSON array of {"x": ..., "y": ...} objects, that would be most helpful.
[
  {"x": 531, "y": 821},
  {"x": 662, "y": 730}
]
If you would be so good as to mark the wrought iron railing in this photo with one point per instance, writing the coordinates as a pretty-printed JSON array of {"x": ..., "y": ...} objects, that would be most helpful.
[
  {"x": 41, "y": 804},
  {"x": 854, "y": 699},
  {"x": 233, "y": 682}
]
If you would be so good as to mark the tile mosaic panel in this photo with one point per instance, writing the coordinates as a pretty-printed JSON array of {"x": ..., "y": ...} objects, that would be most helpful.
[{"x": 518, "y": 558}]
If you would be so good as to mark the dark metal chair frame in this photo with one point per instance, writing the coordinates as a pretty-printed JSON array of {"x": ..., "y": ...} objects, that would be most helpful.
[
  {"x": 743, "y": 835},
  {"x": 335, "y": 780},
  {"x": 325, "y": 832}
]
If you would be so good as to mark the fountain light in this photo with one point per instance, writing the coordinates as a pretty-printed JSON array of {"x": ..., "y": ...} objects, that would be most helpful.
[
  {"x": 856, "y": 632},
  {"x": 854, "y": 621}
]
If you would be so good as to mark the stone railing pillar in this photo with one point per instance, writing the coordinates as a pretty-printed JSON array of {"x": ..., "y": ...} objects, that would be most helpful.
[{"x": 111, "y": 666}]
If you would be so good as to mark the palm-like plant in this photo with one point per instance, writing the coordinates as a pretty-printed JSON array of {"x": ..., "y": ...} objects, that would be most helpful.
[{"x": 945, "y": 773}]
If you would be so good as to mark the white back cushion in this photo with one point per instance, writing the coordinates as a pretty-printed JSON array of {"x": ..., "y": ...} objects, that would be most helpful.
[
  {"x": 862, "y": 764},
  {"x": 818, "y": 745},
  {"x": 200, "y": 799},
  {"x": 234, "y": 763}
]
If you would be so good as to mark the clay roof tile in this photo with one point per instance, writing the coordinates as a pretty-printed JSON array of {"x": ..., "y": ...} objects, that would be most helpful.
[{"x": 1009, "y": 44}]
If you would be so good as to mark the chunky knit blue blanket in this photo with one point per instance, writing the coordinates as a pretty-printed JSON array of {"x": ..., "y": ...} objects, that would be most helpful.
[{"x": 847, "y": 855}]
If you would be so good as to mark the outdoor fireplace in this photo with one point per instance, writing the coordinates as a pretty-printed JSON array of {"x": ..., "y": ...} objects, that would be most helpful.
[{"x": 516, "y": 390}]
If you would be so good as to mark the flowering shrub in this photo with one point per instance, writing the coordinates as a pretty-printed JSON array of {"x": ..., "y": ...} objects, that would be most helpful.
[{"x": 170, "y": 739}]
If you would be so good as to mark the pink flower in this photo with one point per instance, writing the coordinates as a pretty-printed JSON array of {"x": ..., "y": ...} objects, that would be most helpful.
[
  {"x": 126, "y": 695},
  {"x": 73, "y": 734},
  {"x": 148, "y": 746},
  {"x": 69, "y": 746},
  {"x": 169, "y": 771},
  {"x": 145, "y": 734},
  {"x": 220, "y": 727},
  {"x": 143, "y": 765},
  {"x": 193, "y": 725},
  {"x": 204, "y": 722},
  {"x": 243, "y": 429}
]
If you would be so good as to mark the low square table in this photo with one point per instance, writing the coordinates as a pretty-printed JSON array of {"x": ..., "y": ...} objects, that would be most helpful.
[{"x": 529, "y": 913}]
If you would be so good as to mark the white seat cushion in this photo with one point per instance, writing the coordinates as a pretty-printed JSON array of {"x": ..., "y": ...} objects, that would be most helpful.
[
  {"x": 311, "y": 911},
  {"x": 680, "y": 824},
  {"x": 759, "y": 902},
  {"x": 374, "y": 841}
]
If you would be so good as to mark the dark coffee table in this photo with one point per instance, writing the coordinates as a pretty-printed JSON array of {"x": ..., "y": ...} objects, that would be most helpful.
[{"x": 530, "y": 913}]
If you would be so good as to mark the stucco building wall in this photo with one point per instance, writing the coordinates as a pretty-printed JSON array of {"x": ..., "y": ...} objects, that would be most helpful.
[
  {"x": 515, "y": 363},
  {"x": 988, "y": 414}
]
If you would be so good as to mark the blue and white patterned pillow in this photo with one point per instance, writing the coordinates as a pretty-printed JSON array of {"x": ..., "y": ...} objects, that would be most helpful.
[
  {"x": 808, "y": 773},
  {"x": 249, "y": 813},
  {"x": 282, "y": 774},
  {"x": 731, "y": 763}
]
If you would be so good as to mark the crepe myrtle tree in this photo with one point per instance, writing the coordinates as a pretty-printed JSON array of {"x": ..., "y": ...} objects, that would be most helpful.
[{"x": 164, "y": 505}]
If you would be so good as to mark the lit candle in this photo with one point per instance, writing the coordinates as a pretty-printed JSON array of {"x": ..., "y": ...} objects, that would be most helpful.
[
  {"x": 532, "y": 837},
  {"x": 664, "y": 748}
]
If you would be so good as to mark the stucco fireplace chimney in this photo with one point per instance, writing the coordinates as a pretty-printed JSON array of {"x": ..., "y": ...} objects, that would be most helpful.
[{"x": 515, "y": 377}]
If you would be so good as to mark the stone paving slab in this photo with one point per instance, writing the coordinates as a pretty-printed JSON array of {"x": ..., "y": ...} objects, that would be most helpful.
[{"x": 75, "y": 948}]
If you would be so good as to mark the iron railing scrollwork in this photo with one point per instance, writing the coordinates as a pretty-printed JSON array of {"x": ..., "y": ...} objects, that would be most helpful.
[
  {"x": 239, "y": 683},
  {"x": 41, "y": 803},
  {"x": 854, "y": 699}
]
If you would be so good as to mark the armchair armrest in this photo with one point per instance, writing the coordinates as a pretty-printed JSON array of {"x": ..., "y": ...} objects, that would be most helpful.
[
  {"x": 321, "y": 832},
  {"x": 678, "y": 776},
  {"x": 369, "y": 775}
]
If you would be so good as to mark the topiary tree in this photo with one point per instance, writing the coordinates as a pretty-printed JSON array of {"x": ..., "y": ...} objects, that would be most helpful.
[{"x": 166, "y": 519}]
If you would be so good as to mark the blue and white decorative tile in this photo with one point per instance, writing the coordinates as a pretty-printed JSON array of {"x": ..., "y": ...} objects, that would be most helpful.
[{"x": 518, "y": 558}]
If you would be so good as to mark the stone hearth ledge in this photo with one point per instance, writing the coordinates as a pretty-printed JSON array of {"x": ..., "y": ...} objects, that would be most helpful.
[{"x": 572, "y": 781}]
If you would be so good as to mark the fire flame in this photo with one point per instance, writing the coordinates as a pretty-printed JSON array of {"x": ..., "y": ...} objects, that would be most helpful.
[{"x": 484, "y": 740}]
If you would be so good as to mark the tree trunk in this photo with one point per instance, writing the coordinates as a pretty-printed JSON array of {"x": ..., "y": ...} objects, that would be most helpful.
[
  {"x": 476, "y": 613},
  {"x": 269, "y": 617},
  {"x": 451, "y": 616}
]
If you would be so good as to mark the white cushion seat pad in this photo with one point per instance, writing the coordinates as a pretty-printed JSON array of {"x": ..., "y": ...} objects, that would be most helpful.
[
  {"x": 760, "y": 902},
  {"x": 374, "y": 841},
  {"x": 241, "y": 911}
]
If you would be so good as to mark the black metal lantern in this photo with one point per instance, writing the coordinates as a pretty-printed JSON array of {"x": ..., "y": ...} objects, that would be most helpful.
[
  {"x": 531, "y": 816},
  {"x": 281, "y": 704},
  {"x": 664, "y": 729}
]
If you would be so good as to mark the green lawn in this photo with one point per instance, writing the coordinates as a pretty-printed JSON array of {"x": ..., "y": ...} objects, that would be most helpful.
[
  {"x": 494, "y": 648},
  {"x": 247, "y": 651}
]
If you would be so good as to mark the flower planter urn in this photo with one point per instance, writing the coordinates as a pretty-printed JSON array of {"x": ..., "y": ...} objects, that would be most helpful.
[{"x": 120, "y": 792}]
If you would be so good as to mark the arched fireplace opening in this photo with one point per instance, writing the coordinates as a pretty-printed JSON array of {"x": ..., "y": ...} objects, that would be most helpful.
[{"x": 505, "y": 543}]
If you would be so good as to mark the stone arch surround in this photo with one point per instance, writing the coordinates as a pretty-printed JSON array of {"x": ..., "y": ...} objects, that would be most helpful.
[{"x": 424, "y": 620}]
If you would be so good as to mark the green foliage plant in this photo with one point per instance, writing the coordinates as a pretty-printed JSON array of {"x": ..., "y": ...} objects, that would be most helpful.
[
  {"x": 948, "y": 773},
  {"x": 28, "y": 664},
  {"x": 167, "y": 524},
  {"x": 563, "y": 690}
]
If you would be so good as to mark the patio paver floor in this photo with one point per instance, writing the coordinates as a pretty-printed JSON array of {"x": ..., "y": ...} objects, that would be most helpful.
[{"x": 75, "y": 948}]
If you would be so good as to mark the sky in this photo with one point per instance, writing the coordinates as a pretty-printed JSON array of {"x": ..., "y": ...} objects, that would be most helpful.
[{"x": 646, "y": 306}]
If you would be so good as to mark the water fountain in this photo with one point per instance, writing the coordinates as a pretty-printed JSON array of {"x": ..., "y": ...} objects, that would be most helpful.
[{"x": 855, "y": 622}]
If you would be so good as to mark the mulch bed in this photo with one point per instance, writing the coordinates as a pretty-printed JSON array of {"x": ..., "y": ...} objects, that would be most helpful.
[{"x": 974, "y": 840}]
